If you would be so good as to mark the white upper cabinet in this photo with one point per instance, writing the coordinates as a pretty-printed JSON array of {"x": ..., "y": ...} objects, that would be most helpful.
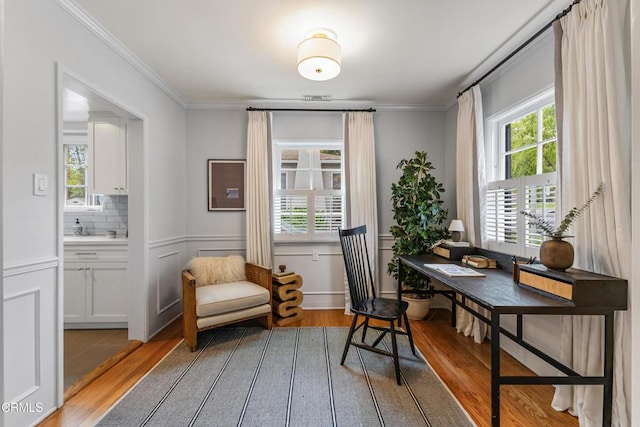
[{"x": 107, "y": 155}]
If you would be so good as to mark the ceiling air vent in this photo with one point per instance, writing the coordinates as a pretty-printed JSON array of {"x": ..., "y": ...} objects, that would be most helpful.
[{"x": 316, "y": 97}]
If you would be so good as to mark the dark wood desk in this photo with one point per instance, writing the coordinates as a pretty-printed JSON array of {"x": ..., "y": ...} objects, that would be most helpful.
[{"x": 497, "y": 293}]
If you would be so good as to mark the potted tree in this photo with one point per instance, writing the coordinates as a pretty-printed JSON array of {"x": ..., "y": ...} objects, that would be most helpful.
[{"x": 419, "y": 214}]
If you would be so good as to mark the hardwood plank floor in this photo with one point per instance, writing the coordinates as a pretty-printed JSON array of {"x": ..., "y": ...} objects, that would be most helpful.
[{"x": 463, "y": 366}]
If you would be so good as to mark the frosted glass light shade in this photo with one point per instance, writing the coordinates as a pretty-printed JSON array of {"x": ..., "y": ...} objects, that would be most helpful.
[{"x": 319, "y": 57}]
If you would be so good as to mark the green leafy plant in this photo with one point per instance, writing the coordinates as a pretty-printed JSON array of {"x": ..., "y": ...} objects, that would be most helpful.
[
  {"x": 417, "y": 209},
  {"x": 547, "y": 228}
]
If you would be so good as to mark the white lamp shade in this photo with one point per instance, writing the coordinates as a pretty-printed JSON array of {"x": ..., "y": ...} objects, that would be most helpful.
[
  {"x": 319, "y": 57},
  {"x": 456, "y": 225}
]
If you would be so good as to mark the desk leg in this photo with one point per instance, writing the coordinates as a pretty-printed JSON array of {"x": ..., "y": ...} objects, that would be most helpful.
[
  {"x": 608, "y": 369},
  {"x": 454, "y": 309},
  {"x": 400, "y": 272},
  {"x": 495, "y": 369}
]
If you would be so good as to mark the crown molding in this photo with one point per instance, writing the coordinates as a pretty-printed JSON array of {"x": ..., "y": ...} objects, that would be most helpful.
[
  {"x": 110, "y": 40},
  {"x": 453, "y": 101}
]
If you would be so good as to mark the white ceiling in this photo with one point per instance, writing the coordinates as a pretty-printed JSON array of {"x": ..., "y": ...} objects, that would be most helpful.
[{"x": 403, "y": 52}]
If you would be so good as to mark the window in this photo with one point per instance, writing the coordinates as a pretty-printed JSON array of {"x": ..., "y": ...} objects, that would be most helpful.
[
  {"x": 523, "y": 175},
  {"x": 308, "y": 193},
  {"x": 75, "y": 172}
]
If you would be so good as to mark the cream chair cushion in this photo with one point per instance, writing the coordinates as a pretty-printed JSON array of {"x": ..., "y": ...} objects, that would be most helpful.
[{"x": 228, "y": 297}]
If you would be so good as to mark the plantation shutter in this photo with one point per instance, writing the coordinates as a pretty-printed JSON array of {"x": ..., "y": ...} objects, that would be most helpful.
[
  {"x": 504, "y": 202},
  {"x": 540, "y": 199},
  {"x": 502, "y": 212},
  {"x": 328, "y": 213},
  {"x": 290, "y": 214}
]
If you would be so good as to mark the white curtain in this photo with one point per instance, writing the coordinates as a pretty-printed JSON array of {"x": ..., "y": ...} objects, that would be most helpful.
[
  {"x": 470, "y": 186},
  {"x": 361, "y": 184},
  {"x": 258, "y": 199},
  {"x": 596, "y": 148}
]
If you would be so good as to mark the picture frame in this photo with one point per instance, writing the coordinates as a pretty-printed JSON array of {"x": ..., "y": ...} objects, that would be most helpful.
[{"x": 226, "y": 185}]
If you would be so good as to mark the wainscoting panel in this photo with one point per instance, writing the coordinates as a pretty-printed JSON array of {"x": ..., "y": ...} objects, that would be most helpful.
[
  {"x": 214, "y": 246},
  {"x": 30, "y": 333},
  {"x": 388, "y": 285},
  {"x": 322, "y": 270},
  {"x": 169, "y": 266},
  {"x": 323, "y": 278},
  {"x": 24, "y": 308},
  {"x": 164, "y": 297}
]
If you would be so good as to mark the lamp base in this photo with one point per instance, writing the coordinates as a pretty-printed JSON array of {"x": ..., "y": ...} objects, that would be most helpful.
[{"x": 455, "y": 236}]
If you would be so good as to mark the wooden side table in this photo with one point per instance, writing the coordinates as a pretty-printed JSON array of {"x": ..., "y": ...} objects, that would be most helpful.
[{"x": 287, "y": 299}]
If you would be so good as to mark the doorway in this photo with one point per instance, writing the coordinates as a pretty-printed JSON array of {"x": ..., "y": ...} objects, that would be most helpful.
[{"x": 100, "y": 233}]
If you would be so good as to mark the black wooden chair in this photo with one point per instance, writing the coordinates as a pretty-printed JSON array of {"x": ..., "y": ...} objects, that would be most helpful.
[{"x": 364, "y": 301}]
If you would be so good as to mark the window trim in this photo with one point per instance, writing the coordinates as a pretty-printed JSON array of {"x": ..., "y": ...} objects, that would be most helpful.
[
  {"x": 310, "y": 236},
  {"x": 495, "y": 166},
  {"x": 494, "y": 143},
  {"x": 88, "y": 206},
  {"x": 66, "y": 166}
]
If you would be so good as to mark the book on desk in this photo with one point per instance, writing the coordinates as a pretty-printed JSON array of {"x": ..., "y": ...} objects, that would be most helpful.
[{"x": 454, "y": 270}]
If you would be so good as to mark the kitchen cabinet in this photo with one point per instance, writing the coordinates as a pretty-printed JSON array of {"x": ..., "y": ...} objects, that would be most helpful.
[
  {"x": 107, "y": 155},
  {"x": 95, "y": 286}
]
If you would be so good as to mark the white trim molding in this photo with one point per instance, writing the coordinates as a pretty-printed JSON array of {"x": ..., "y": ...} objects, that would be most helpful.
[
  {"x": 37, "y": 373},
  {"x": 160, "y": 310},
  {"x": 110, "y": 40},
  {"x": 31, "y": 266},
  {"x": 167, "y": 242}
]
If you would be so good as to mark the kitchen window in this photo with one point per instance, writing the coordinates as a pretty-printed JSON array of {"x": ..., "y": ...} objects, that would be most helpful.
[{"x": 75, "y": 168}]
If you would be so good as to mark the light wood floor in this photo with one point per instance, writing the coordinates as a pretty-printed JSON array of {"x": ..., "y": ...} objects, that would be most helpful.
[{"x": 463, "y": 365}]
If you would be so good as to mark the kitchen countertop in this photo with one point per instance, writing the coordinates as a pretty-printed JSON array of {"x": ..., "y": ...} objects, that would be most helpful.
[{"x": 95, "y": 240}]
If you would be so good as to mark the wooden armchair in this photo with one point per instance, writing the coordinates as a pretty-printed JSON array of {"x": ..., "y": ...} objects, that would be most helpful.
[{"x": 207, "y": 306}]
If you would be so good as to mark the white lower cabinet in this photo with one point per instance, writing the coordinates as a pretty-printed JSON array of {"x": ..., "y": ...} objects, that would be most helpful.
[
  {"x": 95, "y": 291},
  {"x": 75, "y": 278}
]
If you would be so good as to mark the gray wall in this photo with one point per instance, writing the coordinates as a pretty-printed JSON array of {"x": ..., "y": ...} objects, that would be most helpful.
[
  {"x": 527, "y": 74},
  {"x": 221, "y": 134}
]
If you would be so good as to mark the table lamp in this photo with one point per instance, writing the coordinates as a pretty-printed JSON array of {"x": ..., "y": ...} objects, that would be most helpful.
[{"x": 456, "y": 228}]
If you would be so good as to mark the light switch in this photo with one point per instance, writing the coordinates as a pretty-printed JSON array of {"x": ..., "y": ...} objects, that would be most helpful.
[{"x": 40, "y": 184}]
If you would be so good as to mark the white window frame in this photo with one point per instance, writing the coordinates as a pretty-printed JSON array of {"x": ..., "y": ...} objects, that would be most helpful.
[
  {"x": 67, "y": 205},
  {"x": 311, "y": 235},
  {"x": 89, "y": 205},
  {"x": 526, "y": 240}
]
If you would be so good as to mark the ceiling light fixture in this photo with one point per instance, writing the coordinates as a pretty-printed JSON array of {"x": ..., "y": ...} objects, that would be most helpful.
[{"x": 319, "y": 55}]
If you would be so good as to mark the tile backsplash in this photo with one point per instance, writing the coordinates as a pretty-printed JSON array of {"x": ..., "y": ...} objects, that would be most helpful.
[{"x": 114, "y": 216}]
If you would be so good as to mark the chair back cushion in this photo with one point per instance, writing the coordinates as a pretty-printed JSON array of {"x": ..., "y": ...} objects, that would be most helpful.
[{"x": 215, "y": 270}]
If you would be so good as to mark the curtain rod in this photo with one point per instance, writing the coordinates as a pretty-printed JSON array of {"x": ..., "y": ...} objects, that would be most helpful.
[
  {"x": 522, "y": 46},
  {"x": 368, "y": 110}
]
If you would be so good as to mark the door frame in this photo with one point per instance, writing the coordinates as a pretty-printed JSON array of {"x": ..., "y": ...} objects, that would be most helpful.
[{"x": 138, "y": 238}]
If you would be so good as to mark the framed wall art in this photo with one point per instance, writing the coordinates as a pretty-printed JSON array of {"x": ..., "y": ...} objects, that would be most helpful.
[{"x": 226, "y": 185}]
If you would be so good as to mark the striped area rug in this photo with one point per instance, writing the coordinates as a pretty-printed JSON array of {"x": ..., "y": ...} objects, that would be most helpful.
[{"x": 286, "y": 377}]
